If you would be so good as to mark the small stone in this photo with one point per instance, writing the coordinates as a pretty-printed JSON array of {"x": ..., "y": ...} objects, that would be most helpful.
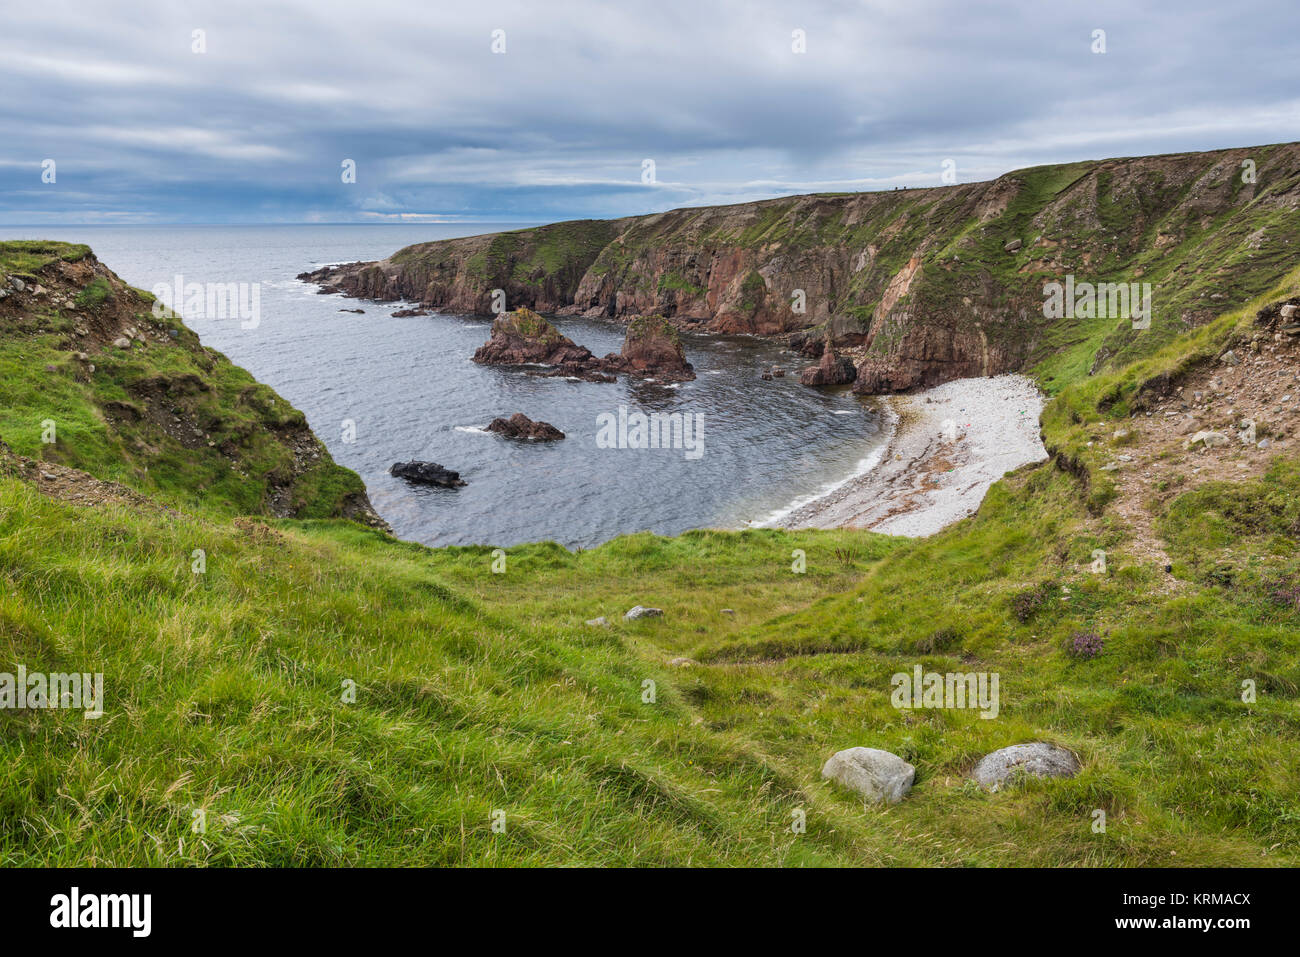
[
  {"x": 1038, "y": 759},
  {"x": 728, "y": 611},
  {"x": 122, "y": 342},
  {"x": 640, "y": 611},
  {"x": 1229, "y": 358},
  {"x": 879, "y": 776},
  {"x": 1013, "y": 246},
  {"x": 600, "y": 622},
  {"x": 681, "y": 663}
]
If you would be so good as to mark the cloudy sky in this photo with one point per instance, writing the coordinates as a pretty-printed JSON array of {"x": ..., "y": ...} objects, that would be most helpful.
[{"x": 443, "y": 127}]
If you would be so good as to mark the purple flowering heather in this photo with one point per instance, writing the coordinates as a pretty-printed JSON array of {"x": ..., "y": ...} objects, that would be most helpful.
[{"x": 1086, "y": 644}]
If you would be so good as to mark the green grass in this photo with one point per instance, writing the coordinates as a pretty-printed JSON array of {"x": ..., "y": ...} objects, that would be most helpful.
[
  {"x": 479, "y": 692},
  {"x": 30, "y": 255},
  {"x": 167, "y": 416}
]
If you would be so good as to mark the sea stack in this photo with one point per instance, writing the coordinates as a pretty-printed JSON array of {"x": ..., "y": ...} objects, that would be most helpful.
[{"x": 523, "y": 337}]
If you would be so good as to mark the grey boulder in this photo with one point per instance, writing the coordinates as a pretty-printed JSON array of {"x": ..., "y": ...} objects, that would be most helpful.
[
  {"x": 879, "y": 776},
  {"x": 1037, "y": 759},
  {"x": 640, "y": 611}
]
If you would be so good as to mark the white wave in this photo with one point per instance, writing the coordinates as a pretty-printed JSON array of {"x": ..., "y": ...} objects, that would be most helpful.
[
  {"x": 478, "y": 429},
  {"x": 865, "y": 465}
]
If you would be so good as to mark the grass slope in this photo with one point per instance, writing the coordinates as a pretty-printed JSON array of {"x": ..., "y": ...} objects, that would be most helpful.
[{"x": 480, "y": 692}]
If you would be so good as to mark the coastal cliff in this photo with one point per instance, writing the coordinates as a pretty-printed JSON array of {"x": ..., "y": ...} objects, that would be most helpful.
[
  {"x": 100, "y": 381},
  {"x": 921, "y": 285}
]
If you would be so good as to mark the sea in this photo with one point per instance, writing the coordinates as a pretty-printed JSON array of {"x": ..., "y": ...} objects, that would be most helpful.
[{"x": 379, "y": 389}]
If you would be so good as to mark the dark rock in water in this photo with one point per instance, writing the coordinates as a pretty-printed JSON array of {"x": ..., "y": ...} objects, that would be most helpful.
[
  {"x": 519, "y": 426},
  {"x": 766, "y": 377},
  {"x": 426, "y": 473},
  {"x": 834, "y": 369},
  {"x": 577, "y": 370},
  {"x": 523, "y": 337},
  {"x": 360, "y": 312},
  {"x": 404, "y": 313}
]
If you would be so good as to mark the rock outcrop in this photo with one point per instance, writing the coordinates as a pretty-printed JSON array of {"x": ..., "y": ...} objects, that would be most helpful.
[
  {"x": 927, "y": 285},
  {"x": 427, "y": 473},
  {"x": 652, "y": 349},
  {"x": 833, "y": 369},
  {"x": 519, "y": 426},
  {"x": 523, "y": 337}
]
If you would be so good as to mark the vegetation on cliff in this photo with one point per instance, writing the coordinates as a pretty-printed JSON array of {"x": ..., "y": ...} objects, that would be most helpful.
[
  {"x": 324, "y": 694},
  {"x": 931, "y": 284}
]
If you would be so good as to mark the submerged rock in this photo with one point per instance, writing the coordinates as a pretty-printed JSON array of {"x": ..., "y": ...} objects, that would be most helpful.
[
  {"x": 879, "y": 776},
  {"x": 1037, "y": 759},
  {"x": 426, "y": 473},
  {"x": 519, "y": 426}
]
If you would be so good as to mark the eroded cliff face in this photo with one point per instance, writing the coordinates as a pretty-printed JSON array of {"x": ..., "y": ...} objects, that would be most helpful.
[{"x": 922, "y": 286}]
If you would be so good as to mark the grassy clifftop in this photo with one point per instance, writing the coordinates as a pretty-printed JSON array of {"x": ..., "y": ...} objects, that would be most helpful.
[
  {"x": 324, "y": 694},
  {"x": 94, "y": 380}
]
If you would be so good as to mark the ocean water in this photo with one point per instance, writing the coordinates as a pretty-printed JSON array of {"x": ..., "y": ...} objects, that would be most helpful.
[{"x": 410, "y": 391}]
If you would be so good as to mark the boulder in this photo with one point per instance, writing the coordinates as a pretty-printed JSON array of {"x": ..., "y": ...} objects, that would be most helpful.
[
  {"x": 1013, "y": 246},
  {"x": 519, "y": 426},
  {"x": 879, "y": 776},
  {"x": 122, "y": 342},
  {"x": 640, "y": 611},
  {"x": 426, "y": 473},
  {"x": 1038, "y": 759},
  {"x": 1211, "y": 440}
]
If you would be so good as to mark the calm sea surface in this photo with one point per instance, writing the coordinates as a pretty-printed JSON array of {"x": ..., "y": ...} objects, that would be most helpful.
[{"x": 413, "y": 393}]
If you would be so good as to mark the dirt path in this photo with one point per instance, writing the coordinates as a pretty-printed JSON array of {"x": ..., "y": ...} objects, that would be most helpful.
[{"x": 1248, "y": 402}]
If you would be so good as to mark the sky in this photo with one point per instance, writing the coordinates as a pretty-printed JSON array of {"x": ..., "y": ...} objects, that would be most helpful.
[{"x": 484, "y": 111}]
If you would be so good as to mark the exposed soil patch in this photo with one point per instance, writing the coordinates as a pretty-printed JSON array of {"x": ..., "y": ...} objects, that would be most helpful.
[{"x": 1249, "y": 402}]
